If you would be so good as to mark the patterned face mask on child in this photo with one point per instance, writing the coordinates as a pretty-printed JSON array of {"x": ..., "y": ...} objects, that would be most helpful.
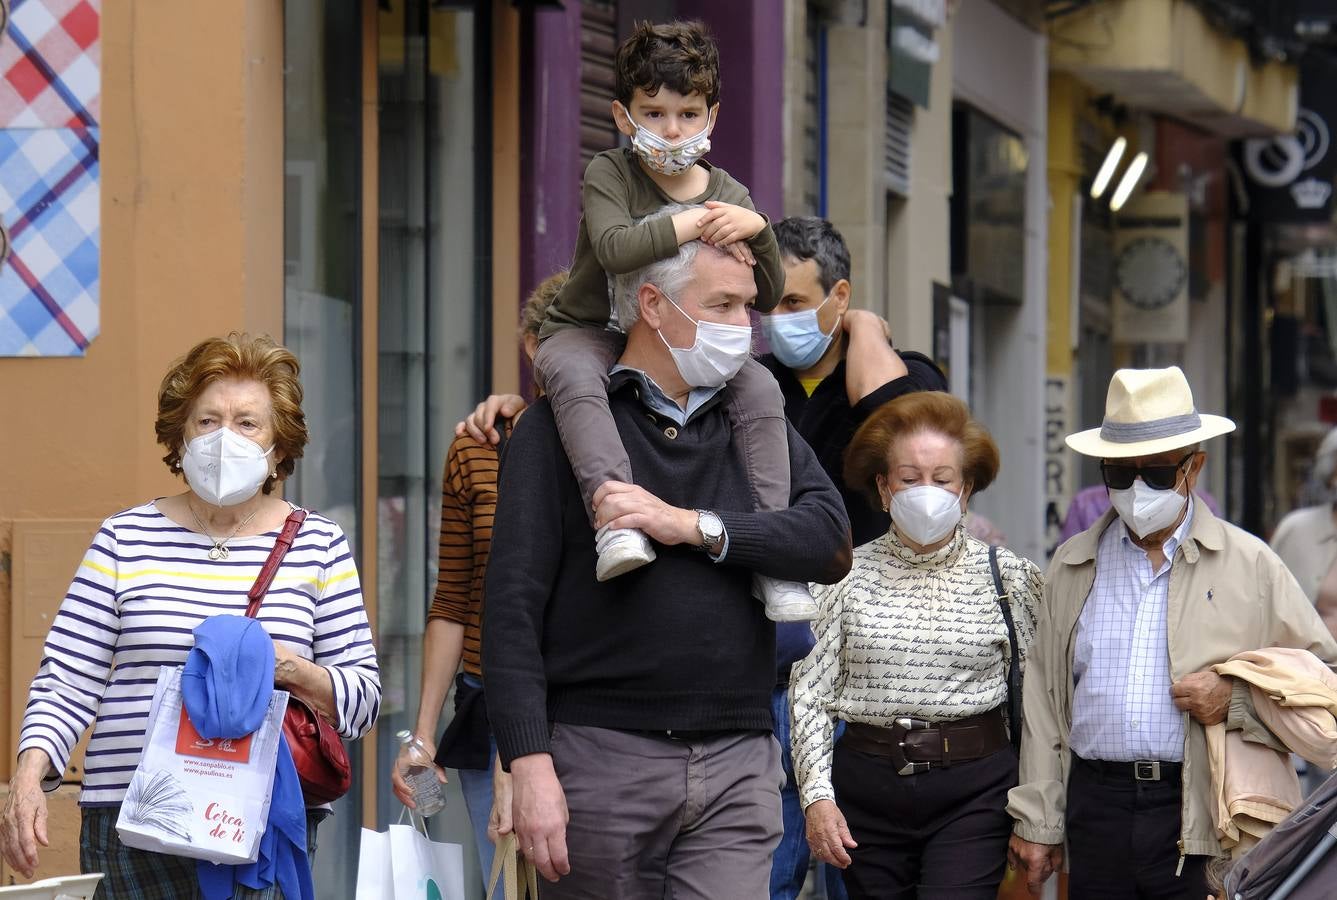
[{"x": 665, "y": 157}]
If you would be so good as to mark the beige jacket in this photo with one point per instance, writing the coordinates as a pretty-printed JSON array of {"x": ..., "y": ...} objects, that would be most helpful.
[
  {"x": 1254, "y": 787},
  {"x": 1228, "y": 593},
  {"x": 1295, "y": 696}
]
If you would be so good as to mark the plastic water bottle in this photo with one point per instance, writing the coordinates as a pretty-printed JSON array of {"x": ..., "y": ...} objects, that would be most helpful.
[{"x": 429, "y": 794}]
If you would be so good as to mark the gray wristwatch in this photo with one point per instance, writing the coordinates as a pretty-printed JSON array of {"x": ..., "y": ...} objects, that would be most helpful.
[{"x": 710, "y": 527}]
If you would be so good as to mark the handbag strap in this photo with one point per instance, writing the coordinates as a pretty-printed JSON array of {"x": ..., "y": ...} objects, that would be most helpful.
[
  {"x": 1013, "y": 672},
  {"x": 506, "y": 862},
  {"x": 266, "y": 576}
]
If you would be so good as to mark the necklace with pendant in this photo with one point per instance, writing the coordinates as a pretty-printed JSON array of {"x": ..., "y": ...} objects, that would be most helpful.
[{"x": 219, "y": 549}]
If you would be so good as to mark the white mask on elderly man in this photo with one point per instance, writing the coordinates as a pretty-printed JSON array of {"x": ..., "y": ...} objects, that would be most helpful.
[
  {"x": 224, "y": 468},
  {"x": 925, "y": 513},
  {"x": 1146, "y": 510}
]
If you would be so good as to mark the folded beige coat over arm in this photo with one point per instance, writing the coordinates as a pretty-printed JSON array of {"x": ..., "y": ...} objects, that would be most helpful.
[{"x": 1254, "y": 786}]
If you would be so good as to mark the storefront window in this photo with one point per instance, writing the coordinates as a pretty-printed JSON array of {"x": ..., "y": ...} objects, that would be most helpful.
[
  {"x": 322, "y": 300},
  {"x": 432, "y": 341},
  {"x": 1301, "y": 269}
]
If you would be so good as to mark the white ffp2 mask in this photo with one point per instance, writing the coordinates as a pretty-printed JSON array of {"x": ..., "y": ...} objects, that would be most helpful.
[
  {"x": 925, "y": 513},
  {"x": 1145, "y": 510},
  {"x": 224, "y": 468}
]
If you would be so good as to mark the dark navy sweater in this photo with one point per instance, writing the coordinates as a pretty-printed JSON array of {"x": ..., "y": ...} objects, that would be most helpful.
[{"x": 677, "y": 644}]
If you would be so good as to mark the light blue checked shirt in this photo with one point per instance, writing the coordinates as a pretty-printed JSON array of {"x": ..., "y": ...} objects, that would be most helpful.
[{"x": 1121, "y": 706}]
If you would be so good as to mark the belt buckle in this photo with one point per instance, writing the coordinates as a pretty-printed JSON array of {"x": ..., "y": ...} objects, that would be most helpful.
[
  {"x": 905, "y": 766},
  {"x": 1147, "y": 769}
]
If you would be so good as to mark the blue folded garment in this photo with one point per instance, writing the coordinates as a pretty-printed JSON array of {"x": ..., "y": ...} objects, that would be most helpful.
[{"x": 226, "y": 687}]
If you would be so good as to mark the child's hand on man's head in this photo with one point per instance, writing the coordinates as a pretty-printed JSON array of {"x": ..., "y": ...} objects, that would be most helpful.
[
  {"x": 740, "y": 251},
  {"x": 725, "y": 223}
]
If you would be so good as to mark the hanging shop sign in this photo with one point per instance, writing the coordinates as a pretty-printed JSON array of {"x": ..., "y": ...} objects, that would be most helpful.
[
  {"x": 911, "y": 46},
  {"x": 1151, "y": 270},
  {"x": 1290, "y": 176}
]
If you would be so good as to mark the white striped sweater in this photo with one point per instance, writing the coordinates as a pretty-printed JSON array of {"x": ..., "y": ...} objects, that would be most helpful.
[{"x": 142, "y": 588}]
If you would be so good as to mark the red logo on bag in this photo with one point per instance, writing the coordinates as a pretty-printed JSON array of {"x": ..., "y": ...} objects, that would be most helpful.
[{"x": 189, "y": 743}]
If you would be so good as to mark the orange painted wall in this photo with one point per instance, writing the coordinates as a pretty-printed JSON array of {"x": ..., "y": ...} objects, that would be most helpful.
[{"x": 192, "y": 246}]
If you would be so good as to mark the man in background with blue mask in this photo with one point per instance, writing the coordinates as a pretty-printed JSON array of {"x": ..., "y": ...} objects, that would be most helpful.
[
  {"x": 1120, "y": 685},
  {"x": 835, "y": 366}
]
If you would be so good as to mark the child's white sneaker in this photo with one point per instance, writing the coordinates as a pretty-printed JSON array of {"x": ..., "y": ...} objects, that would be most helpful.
[
  {"x": 620, "y": 551},
  {"x": 786, "y": 601}
]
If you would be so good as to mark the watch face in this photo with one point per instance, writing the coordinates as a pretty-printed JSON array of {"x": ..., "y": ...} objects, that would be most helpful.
[{"x": 1150, "y": 272}]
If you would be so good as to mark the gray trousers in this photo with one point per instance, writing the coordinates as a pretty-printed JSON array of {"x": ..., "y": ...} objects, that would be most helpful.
[
  {"x": 572, "y": 368},
  {"x": 656, "y": 818}
]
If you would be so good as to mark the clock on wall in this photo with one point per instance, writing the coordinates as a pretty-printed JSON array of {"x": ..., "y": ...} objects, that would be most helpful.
[{"x": 1150, "y": 272}]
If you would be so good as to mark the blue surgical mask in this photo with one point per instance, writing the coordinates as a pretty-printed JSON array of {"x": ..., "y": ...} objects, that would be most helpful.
[{"x": 796, "y": 339}]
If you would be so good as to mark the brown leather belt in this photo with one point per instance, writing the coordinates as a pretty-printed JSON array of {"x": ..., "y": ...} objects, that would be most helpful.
[{"x": 916, "y": 745}]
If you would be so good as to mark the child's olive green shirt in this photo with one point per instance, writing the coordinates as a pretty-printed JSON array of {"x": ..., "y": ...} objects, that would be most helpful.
[{"x": 612, "y": 241}]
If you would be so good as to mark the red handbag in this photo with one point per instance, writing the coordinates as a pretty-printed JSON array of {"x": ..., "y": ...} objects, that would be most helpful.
[{"x": 317, "y": 750}]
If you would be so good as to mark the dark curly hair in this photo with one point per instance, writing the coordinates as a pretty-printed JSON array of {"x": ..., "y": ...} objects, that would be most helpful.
[
  {"x": 681, "y": 55},
  {"x": 802, "y": 238}
]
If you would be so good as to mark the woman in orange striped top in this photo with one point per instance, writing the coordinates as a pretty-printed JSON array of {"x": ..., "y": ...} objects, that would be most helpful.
[{"x": 452, "y": 636}]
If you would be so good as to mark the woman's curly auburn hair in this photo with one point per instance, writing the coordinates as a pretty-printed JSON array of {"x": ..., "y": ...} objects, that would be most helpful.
[
  {"x": 245, "y": 358},
  {"x": 869, "y": 453}
]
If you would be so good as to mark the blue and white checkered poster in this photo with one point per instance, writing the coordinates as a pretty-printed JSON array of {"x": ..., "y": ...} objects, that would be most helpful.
[
  {"x": 49, "y": 284},
  {"x": 50, "y": 100}
]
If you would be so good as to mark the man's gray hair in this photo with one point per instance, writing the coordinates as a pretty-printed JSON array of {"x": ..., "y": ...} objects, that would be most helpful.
[{"x": 669, "y": 275}]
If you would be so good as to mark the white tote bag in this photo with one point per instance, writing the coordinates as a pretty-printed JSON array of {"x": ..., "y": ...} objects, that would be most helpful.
[
  {"x": 375, "y": 871},
  {"x": 403, "y": 863},
  {"x": 195, "y": 797}
]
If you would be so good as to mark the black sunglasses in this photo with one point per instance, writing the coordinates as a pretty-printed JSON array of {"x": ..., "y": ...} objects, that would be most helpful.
[{"x": 1120, "y": 477}]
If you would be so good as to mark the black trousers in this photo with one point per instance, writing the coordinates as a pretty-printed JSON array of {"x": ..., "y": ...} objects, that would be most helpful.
[
  {"x": 1123, "y": 839},
  {"x": 939, "y": 835}
]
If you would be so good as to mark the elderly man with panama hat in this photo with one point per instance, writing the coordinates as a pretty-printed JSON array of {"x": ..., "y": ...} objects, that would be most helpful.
[{"x": 1118, "y": 682}]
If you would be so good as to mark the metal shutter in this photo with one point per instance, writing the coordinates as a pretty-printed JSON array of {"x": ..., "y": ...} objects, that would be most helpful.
[
  {"x": 900, "y": 121},
  {"x": 598, "y": 44}
]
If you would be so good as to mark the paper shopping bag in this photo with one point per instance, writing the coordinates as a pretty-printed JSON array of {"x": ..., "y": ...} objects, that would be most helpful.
[
  {"x": 196, "y": 797},
  {"x": 425, "y": 869},
  {"x": 375, "y": 871}
]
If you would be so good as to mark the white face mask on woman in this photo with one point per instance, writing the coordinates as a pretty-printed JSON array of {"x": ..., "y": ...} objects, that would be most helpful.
[
  {"x": 925, "y": 513},
  {"x": 1146, "y": 510},
  {"x": 224, "y": 468}
]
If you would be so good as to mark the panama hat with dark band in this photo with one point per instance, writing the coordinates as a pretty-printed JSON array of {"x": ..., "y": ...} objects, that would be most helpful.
[{"x": 1148, "y": 411}]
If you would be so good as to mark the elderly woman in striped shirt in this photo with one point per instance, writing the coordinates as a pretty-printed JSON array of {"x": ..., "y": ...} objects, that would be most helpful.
[
  {"x": 912, "y": 652},
  {"x": 230, "y": 418}
]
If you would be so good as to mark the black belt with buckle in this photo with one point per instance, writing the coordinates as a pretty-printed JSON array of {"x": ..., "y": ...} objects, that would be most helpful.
[
  {"x": 917, "y": 745},
  {"x": 1135, "y": 770}
]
